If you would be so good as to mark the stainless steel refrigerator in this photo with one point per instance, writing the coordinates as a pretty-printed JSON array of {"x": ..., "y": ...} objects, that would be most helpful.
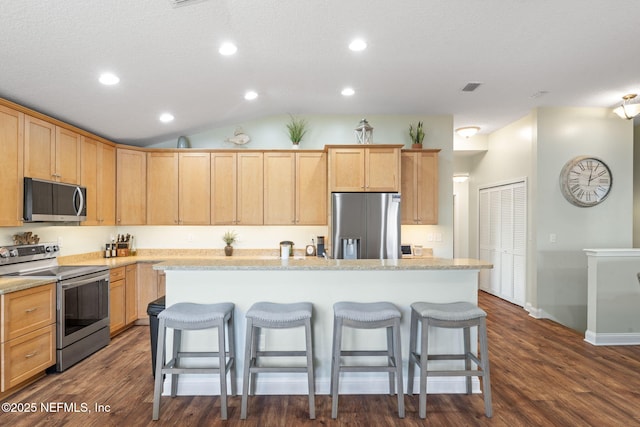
[{"x": 365, "y": 225}]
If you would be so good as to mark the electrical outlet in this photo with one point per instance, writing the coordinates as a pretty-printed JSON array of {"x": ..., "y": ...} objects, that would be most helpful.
[{"x": 429, "y": 237}]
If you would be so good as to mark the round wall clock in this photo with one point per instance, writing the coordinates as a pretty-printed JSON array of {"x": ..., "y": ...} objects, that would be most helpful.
[{"x": 585, "y": 181}]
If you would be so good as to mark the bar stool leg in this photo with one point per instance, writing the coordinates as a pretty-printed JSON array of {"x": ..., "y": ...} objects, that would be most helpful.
[
  {"x": 390, "y": 361},
  {"x": 424, "y": 359},
  {"x": 310, "y": 376},
  {"x": 486, "y": 380},
  {"x": 335, "y": 365},
  {"x": 397, "y": 354},
  {"x": 232, "y": 354},
  {"x": 413, "y": 338},
  {"x": 222, "y": 360},
  {"x": 247, "y": 366},
  {"x": 160, "y": 360},
  {"x": 177, "y": 342}
]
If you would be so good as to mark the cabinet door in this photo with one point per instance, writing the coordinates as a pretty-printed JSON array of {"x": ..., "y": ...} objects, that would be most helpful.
[
  {"x": 39, "y": 149},
  {"x": 382, "y": 169},
  {"x": 279, "y": 188},
  {"x": 162, "y": 188},
  {"x": 147, "y": 287},
  {"x": 117, "y": 304},
  {"x": 106, "y": 201},
  {"x": 427, "y": 188},
  {"x": 311, "y": 188},
  {"x": 408, "y": 188},
  {"x": 131, "y": 294},
  {"x": 28, "y": 355},
  {"x": 194, "y": 188},
  {"x": 67, "y": 158},
  {"x": 250, "y": 189},
  {"x": 11, "y": 164},
  {"x": 223, "y": 188},
  {"x": 89, "y": 178},
  {"x": 346, "y": 169},
  {"x": 131, "y": 183}
]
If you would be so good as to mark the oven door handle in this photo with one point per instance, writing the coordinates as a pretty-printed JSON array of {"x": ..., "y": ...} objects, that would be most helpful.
[{"x": 75, "y": 283}]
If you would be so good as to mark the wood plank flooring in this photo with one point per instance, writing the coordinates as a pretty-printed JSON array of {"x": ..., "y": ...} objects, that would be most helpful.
[{"x": 542, "y": 374}]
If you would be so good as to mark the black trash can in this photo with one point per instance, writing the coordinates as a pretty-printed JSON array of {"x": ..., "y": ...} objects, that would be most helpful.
[{"x": 153, "y": 309}]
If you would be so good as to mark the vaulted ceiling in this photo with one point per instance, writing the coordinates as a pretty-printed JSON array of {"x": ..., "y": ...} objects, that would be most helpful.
[{"x": 294, "y": 54}]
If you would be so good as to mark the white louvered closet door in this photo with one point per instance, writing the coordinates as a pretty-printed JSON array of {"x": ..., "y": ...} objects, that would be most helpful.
[{"x": 502, "y": 238}]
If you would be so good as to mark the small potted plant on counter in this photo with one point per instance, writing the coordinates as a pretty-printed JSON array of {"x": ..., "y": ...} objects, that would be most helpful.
[
  {"x": 297, "y": 128},
  {"x": 416, "y": 135},
  {"x": 229, "y": 238}
]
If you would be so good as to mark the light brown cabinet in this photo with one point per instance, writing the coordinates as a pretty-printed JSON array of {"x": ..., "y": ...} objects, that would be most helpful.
[
  {"x": 27, "y": 335},
  {"x": 131, "y": 182},
  {"x": 51, "y": 152},
  {"x": 98, "y": 175},
  {"x": 419, "y": 187},
  {"x": 358, "y": 168},
  {"x": 178, "y": 188},
  {"x": 11, "y": 164},
  {"x": 237, "y": 188},
  {"x": 131, "y": 294},
  {"x": 151, "y": 286},
  {"x": 295, "y": 188},
  {"x": 117, "y": 300}
]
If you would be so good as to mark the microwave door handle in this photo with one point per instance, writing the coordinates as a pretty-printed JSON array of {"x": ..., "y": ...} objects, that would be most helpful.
[{"x": 77, "y": 197}]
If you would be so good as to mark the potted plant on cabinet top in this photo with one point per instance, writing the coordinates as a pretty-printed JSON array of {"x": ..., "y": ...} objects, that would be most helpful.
[
  {"x": 416, "y": 135},
  {"x": 229, "y": 238},
  {"x": 297, "y": 128}
]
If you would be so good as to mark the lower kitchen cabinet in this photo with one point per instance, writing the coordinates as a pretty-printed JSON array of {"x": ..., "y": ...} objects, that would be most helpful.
[
  {"x": 123, "y": 304},
  {"x": 151, "y": 286},
  {"x": 27, "y": 336}
]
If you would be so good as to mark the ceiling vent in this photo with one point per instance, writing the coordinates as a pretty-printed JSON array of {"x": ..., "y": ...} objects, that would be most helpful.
[
  {"x": 180, "y": 3},
  {"x": 470, "y": 87}
]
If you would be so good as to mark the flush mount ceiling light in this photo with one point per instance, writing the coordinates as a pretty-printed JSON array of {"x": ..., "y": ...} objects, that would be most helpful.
[
  {"x": 109, "y": 79},
  {"x": 347, "y": 91},
  {"x": 468, "y": 131},
  {"x": 358, "y": 45},
  {"x": 460, "y": 177},
  {"x": 166, "y": 117},
  {"x": 228, "y": 49},
  {"x": 250, "y": 95},
  {"x": 628, "y": 109}
]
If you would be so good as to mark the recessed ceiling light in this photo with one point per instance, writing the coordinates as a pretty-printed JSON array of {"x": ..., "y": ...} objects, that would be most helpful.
[
  {"x": 250, "y": 95},
  {"x": 347, "y": 91},
  {"x": 109, "y": 79},
  {"x": 228, "y": 49},
  {"x": 166, "y": 117},
  {"x": 358, "y": 45}
]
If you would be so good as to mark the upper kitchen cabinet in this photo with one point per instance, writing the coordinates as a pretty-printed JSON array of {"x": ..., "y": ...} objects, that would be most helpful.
[
  {"x": 419, "y": 187},
  {"x": 11, "y": 164},
  {"x": 178, "y": 189},
  {"x": 98, "y": 175},
  {"x": 131, "y": 184},
  {"x": 295, "y": 188},
  {"x": 357, "y": 168},
  {"x": 237, "y": 188},
  {"x": 51, "y": 152}
]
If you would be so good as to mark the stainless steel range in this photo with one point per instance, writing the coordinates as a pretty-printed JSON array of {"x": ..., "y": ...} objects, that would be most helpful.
[{"x": 82, "y": 298}]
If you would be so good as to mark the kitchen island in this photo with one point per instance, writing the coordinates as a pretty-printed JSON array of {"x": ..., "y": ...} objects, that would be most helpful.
[{"x": 322, "y": 282}]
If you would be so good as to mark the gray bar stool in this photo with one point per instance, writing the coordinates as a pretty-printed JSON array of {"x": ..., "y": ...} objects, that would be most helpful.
[
  {"x": 276, "y": 316},
  {"x": 186, "y": 316},
  {"x": 367, "y": 316},
  {"x": 448, "y": 315}
]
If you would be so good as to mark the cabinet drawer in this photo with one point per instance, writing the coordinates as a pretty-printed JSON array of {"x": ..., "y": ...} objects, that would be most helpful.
[
  {"x": 117, "y": 274},
  {"x": 27, "y": 310},
  {"x": 25, "y": 356}
]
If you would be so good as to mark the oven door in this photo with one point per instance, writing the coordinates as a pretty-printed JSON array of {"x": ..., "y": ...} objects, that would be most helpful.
[{"x": 82, "y": 308}]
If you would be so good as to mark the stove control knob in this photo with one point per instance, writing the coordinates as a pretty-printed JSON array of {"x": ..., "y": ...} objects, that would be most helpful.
[
  {"x": 13, "y": 252},
  {"x": 4, "y": 253},
  {"x": 56, "y": 248},
  {"x": 48, "y": 249}
]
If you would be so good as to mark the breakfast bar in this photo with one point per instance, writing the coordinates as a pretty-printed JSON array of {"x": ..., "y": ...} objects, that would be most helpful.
[{"x": 244, "y": 281}]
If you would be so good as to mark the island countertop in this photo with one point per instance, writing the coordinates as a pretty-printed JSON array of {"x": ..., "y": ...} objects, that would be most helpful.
[{"x": 301, "y": 263}]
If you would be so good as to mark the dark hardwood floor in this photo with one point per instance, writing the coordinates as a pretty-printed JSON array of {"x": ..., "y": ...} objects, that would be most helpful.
[{"x": 542, "y": 374}]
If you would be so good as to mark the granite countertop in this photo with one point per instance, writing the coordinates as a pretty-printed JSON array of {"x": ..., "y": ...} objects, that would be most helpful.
[
  {"x": 314, "y": 263},
  {"x": 13, "y": 284}
]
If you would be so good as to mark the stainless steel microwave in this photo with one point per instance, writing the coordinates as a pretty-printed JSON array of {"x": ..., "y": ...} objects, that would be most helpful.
[{"x": 53, "y": 201}]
